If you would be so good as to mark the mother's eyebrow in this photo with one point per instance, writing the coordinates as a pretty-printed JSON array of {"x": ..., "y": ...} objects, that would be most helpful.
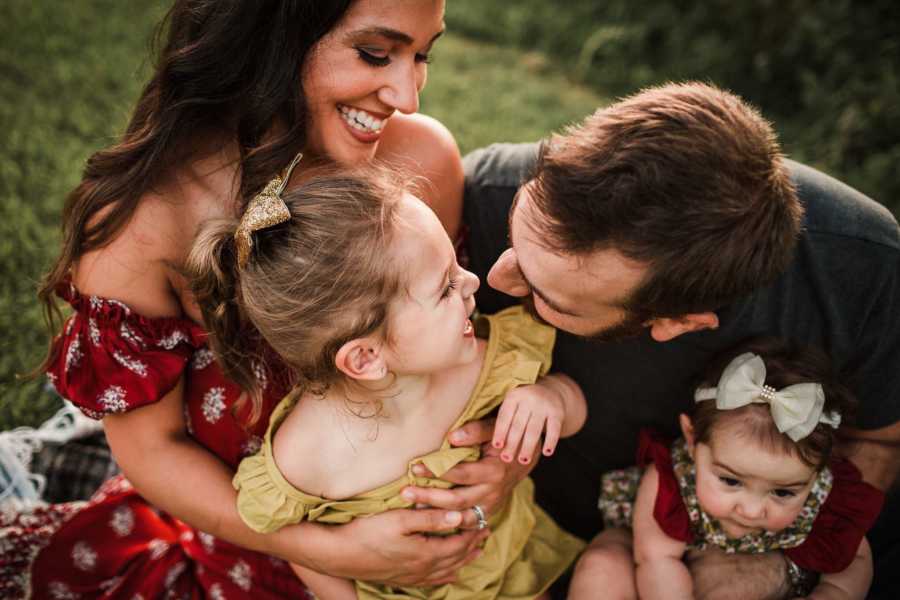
[{"x": 391, "y": 34}]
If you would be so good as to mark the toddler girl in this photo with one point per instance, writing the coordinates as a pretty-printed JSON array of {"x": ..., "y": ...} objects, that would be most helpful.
[
  {"x": 754, "y": 472},
  {"x": 354, "y": 284}
]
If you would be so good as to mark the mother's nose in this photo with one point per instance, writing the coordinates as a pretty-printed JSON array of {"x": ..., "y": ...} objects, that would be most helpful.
[
  {"x": 506, "y": 277},
  {"x": 401, "y": 91}
]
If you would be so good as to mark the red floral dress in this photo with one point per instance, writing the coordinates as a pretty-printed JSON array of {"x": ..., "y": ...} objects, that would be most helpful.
[
  {"x": 116, "y": 545},
  {"x": 824, "y": 537}
]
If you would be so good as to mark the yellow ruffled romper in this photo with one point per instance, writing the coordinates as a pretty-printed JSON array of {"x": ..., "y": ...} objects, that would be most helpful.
[{"x": 526, "y": 550}]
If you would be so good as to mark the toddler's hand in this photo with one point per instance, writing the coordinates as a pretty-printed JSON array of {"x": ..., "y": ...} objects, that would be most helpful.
[{"x": 524, "y": 415}]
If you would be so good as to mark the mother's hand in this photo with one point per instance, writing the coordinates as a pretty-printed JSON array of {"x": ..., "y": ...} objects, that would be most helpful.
[
  {"x": 390, "y": 547},
  {"x": 486, "y": 482}
]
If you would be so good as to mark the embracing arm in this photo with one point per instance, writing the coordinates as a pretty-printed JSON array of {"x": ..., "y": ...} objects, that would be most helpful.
[
  {"x": 850, "y": 584},
  {"x": 490, "y": 480},
  {"x": 875, "y": 452},
  {"x": 660, "y": 572},
  {"x": 153, "y": 449}
]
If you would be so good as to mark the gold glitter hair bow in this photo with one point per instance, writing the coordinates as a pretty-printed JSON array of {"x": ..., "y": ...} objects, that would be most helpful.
[{"x": 265, "y": 210}]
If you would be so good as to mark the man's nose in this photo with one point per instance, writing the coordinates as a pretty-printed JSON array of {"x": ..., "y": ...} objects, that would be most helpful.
[{"x": 506, "y": 277}]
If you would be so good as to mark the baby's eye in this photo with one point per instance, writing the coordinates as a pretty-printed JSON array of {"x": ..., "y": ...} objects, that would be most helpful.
[
  {"x": 729, "y": 481},
  {"x": 781, "y": 493}
]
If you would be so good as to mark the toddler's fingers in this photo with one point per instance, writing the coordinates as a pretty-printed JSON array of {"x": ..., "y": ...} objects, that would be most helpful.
[
  {"x": 504, "y": 420},
  {"x": 532, "y": 438},
  {"x": 551, "y": 436},
  {"x": 516, "y": 431}
]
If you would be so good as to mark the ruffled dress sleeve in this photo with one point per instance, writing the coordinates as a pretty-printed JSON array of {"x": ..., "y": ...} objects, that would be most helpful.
[
  {"x": 109, "y": 359},
  {"x": 519, "y": 351},
  {"x": 847, "y": 514},
  {"x": 669, "y": 510}
]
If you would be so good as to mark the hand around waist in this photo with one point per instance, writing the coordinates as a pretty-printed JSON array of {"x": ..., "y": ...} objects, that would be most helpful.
[{"x": 486, "y": 483}]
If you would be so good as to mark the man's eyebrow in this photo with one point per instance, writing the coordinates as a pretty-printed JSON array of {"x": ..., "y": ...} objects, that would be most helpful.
[
  {"x": 391, "y": 34},
  {"x": 534, "y": 290}
]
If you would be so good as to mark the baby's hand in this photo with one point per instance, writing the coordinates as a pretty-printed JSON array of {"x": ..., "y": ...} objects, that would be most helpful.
[{"x": 524, "y": 415}]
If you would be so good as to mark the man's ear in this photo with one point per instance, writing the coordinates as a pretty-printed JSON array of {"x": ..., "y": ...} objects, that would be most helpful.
[
  {"x": 663, "y": 329},
  {"x": 687, "y": 430},
  {"x": 361, "y": 359}
]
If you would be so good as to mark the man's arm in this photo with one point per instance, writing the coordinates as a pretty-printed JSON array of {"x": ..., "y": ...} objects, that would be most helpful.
[
  {"x": 720, "y": 576},
  {"x": 875, "y": 452}
]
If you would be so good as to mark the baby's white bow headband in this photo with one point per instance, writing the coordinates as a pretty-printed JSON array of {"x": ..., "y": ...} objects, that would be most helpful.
[{"x": 796, "y": 409}]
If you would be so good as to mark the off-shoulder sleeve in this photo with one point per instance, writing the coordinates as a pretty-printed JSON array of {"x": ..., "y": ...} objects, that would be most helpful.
[
  {"x": 669, "y": 509},
  {"x": 519, "y": 351},
  {"x": 847, "y": 514},
  {"x": 109, "y": 359},
  {"x": 262, "y": 504}
]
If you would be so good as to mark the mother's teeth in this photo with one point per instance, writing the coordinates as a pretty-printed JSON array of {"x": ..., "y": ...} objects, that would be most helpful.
[{"x": 360, "y": 119}]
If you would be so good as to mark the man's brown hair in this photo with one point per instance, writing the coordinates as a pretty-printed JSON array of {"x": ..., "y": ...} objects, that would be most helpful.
[{"x": 685, "y": 178}]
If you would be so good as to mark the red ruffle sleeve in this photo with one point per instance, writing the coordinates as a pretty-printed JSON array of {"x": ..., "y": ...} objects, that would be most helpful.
[
  {"x": 847, "y": 514},
  {"x": 669, "y": 511},
  {"x": 108, "y": 359}
]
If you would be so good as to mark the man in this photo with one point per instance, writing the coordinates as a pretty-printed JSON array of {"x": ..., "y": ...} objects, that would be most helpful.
[{"x": 662, "y": 230}]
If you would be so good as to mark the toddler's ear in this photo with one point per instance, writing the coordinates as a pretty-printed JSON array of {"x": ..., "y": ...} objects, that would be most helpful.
[
  {"x": 687, "y": 430},
  {"x": 361, "y": 359}
]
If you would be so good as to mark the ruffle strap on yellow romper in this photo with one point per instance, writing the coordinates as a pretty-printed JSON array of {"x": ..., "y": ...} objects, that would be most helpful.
[{"x": 526, "y": 550}]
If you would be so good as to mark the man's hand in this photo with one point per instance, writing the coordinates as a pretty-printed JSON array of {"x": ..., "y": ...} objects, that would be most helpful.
[
  {"x": 721, "y": 576},
  {"x": 487, "y": 482},
  {"x": 391, "y": 548}
]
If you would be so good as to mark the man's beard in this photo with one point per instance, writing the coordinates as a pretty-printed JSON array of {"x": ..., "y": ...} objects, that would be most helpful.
[{"x": 632, "y": 325}]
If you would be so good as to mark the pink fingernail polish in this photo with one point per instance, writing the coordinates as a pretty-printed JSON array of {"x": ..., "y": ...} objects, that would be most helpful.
[{"x": 524, "y": 460}]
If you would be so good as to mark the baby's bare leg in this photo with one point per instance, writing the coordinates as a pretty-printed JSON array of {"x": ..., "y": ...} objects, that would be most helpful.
[{"x": 605, "y": 569}]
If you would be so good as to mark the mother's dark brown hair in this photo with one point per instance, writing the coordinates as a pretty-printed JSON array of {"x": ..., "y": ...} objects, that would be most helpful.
[{"x": 226, "y": 70}]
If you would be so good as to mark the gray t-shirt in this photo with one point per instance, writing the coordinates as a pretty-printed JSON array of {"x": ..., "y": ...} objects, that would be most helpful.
[{"x": 841, "y": 294}]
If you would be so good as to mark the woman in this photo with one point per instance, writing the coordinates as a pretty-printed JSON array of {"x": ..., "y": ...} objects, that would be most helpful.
[{"x": 240, "y": 88}]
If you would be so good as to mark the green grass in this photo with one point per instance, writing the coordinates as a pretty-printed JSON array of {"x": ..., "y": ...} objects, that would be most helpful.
[{"x": 69, "y": 73}]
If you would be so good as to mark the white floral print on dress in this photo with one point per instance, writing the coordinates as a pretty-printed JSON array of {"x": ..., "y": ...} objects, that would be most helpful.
[
  {"x": 73, "y": 353},
  {"x": 241, "y": 575},
  {"x": 259, "y": 371},
  {"x": 122, "y": 521},
  {"x": 111, "y": 584},
  {"x": 157, "y": 548},
  {"x": 173, "y": 339},
  {"x": 174, "y": 573},
  {"x": 132, "y": 364},
  {"x": 113, "y": 399},
  {"x": 83, "y": 556},
  {"x": 130, "y": 336},
  {"x": 216, "y": 593},
  {"x": 214, "y": 404},
  {"x": 251, "y": 446},
  {"x": 94, "y": 331},
  {"x": 207, "y": 541},
  {"x": 60, "y": 591},
  {"x": 202, "y": 359}
]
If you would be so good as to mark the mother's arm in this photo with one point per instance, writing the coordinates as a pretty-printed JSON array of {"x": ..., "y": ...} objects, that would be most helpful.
[{"x": 153, "y": 449}]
